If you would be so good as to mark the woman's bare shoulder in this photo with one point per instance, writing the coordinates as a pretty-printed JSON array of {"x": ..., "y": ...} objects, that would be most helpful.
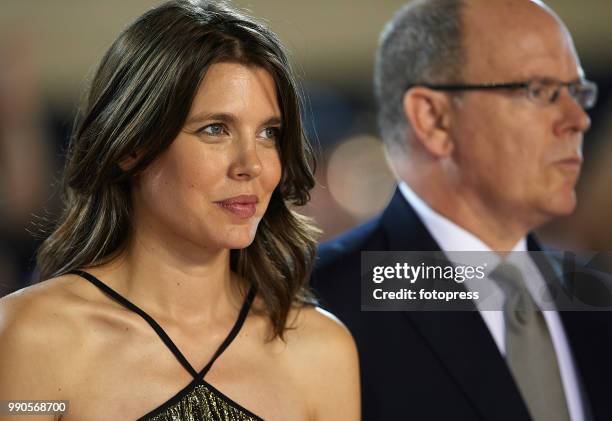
[
  {"x": 320, "y": 336},
  {"x": 324, "y": 354},
  {"x": 37, "y": 325},
  {"x": 314, "y": 326},
  {"x": 32, "y": 307}
]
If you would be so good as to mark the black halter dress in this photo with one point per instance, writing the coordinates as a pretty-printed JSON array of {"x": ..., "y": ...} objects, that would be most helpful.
[{"x": 199, "y": 400}]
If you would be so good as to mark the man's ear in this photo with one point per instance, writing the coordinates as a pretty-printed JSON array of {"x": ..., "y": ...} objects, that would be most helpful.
[{"x": 428, "y": 113}]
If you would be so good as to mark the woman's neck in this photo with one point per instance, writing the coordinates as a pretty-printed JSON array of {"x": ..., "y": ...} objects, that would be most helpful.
[{"x": 176, "y": 280}]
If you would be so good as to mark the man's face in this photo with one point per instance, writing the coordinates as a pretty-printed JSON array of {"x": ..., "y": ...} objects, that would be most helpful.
[{"x": 511, "y": 153}]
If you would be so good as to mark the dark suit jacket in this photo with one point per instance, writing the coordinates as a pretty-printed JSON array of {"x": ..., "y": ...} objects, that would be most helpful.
[{"x": 441, "y": 365}]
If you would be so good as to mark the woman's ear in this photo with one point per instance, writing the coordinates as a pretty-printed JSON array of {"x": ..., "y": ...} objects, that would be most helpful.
[
  {"x": 130, "y": 161},
  {"x": 428, "y": 113}
]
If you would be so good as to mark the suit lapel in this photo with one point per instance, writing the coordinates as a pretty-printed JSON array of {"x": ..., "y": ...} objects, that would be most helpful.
[
  {"x": 403, "y": 229},
  {"x": 464, "y": 346},
  {"x": 460, "y": 340}
]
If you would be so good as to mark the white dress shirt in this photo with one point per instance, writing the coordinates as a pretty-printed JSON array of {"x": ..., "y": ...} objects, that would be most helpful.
[{"x": 453, "y": 238}]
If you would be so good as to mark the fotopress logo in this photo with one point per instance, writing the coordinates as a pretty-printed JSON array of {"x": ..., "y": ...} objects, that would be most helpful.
[{"x": 406, "y": 271}]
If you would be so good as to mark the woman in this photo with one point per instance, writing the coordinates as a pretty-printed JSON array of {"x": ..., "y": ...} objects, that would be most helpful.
[{"x": 178, "y": 287}]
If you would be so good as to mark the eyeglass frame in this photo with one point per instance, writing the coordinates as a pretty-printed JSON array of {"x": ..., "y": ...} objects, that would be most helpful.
[{"x": 518, "y": 85}]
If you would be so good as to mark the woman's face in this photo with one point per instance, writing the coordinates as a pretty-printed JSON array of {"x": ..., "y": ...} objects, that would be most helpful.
[{"x": 213, "y": 184}]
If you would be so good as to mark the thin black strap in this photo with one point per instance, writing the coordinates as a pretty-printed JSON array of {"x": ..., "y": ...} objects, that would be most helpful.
[
  {"x": 244, "y": 311},
  {"x": 126, "y": 303}
]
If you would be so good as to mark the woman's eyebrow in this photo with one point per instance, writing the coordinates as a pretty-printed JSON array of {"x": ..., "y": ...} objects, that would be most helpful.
[
  {"x": 200, "y": 117},
  {"x": 273, "y": 121},
  {"x": 229, "y": 118}
]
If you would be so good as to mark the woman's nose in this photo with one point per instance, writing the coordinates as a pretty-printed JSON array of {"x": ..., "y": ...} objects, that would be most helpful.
[{"x": 247, "y": 164}]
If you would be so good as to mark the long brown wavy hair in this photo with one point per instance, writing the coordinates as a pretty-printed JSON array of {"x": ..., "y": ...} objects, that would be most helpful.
[{"x": 139, "y": 100}]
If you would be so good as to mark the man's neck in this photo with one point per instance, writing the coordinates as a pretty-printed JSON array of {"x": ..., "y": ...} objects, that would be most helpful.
[{"x": 487, "y": 229}]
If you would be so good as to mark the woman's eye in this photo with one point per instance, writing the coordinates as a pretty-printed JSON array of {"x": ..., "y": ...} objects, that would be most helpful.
[
  {"x": 213, "y": 130},
  {"x": 271, "y": 133}
]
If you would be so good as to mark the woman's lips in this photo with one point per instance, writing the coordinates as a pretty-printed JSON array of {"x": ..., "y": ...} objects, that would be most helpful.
[{"x": 241, "y": 206}]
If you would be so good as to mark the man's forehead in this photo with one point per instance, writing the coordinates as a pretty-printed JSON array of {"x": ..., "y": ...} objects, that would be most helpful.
[
  {"x": 491, "y": 7},
  {"x": 516, "y": 38},
  {"x": 489, "y": 20}
]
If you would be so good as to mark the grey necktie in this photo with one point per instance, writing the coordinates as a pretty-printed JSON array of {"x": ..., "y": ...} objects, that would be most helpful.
[{"x": 530, "y": 353}]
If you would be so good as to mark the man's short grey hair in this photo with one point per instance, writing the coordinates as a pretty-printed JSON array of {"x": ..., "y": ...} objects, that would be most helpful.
[{"x": 421, "y": 44}]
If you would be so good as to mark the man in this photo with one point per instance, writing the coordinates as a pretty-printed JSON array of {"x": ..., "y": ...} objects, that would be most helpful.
[{"x": 481, "y": 108}]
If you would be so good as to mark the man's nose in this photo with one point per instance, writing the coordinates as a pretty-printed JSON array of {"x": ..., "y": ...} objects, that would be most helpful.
[{"x": 574, "y": 117}]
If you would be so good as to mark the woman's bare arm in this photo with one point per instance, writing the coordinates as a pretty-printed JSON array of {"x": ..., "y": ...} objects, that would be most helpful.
[
  {"x": 28, "y": 366},
  {"x": 329, "y": 365}
]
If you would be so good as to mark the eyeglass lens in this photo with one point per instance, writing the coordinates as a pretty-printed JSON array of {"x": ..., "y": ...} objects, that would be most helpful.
[{"x": 583, "y": 92}]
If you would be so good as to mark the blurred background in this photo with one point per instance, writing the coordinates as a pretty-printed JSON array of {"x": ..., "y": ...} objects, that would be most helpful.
[{"x": 50, "y": 49}]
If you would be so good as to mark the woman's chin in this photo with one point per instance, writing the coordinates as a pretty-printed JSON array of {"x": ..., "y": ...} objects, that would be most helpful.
[{"x": 238, "y": 243}]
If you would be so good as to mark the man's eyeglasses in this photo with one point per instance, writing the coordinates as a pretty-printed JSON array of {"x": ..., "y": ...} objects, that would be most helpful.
[{"x": 540, "y": 91}]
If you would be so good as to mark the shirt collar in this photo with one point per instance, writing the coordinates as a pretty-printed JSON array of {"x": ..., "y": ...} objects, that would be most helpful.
[{"x": 448, "y": 235}]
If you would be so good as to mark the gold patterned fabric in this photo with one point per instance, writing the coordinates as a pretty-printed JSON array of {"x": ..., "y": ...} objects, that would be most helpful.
[{"x": 202, "y": 403}]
